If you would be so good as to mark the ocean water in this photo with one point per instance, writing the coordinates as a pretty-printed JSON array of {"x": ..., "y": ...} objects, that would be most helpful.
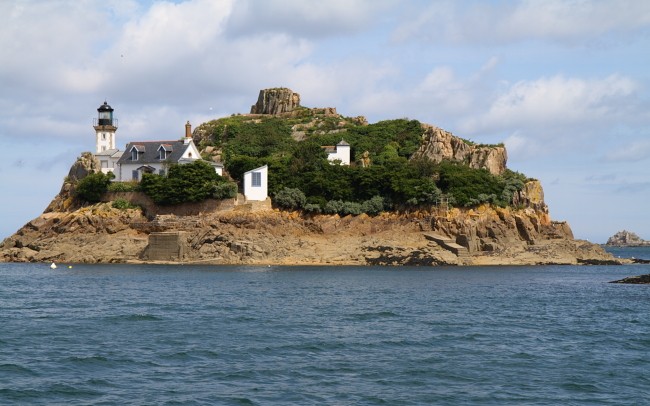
[
  {"x": 215, "y": 335},
  {"x": 629, "y": 252}
]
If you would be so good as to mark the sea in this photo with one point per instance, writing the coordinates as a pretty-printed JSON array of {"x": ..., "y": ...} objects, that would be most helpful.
[{"x": 294, "y": 335}]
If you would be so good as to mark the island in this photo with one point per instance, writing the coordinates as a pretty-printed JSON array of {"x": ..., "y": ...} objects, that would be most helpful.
[
  {"x": 626, "y": 239},
  {"x": 291, "y": 185}
]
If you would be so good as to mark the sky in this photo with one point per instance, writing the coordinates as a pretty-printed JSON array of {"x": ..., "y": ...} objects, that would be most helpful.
[{"x": 565, "y": 84}]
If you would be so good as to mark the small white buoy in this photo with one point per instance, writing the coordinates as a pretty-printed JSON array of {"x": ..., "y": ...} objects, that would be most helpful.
[{"x": 53, "y": 266}]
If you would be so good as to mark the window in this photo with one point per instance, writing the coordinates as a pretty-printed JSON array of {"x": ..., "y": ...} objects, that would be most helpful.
[
  {"x": 103, "y": 147},
  {"x": 189, "y": 155},
  {"x": 256, "y": 180},
  {"x": 161, "y": 172},
  {"x": 134, "y": 175},
  {"x": 134, "y": 154},
  {"x": 104, "y": 164},
  {"x": 162, "y": 154},
  {"x": 104, "y": 136}
]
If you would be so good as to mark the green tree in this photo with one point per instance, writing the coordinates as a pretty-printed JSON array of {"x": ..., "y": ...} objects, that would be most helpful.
[
  {"x": 92, "y": 187},
  {"x": 191, "y": 182}
]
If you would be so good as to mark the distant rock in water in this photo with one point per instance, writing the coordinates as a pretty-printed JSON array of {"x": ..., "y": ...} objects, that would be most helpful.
[
  {"x": 627, "y": 239},
  {"x": 635, "y": 280}
]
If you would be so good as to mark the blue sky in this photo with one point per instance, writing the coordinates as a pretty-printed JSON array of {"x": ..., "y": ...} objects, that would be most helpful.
[{"x": 564, "y": 84}]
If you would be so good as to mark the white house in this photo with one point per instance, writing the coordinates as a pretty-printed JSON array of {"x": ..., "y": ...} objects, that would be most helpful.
[
  {"x": 339, "y": 152},
  {"x": 256, "y": 183},
  {"x": 156, "y": 156},
  {"x": 140, "y": 157}
]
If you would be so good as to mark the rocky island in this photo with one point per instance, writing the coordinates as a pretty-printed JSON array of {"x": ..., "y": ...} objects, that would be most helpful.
[
  {"x": 412, "y": 194},
  {"x": 627, "y": 239}
]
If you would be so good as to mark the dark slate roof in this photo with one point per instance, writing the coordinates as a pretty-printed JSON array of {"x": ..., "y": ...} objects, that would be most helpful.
[{"x": 148, "y": 151}]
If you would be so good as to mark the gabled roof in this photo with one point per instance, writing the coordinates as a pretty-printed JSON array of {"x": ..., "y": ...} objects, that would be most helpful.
[
  {"x": 257, "y": 169},
  {"x": 109, "y": 152},
  {"x": 148, "y": 151}
]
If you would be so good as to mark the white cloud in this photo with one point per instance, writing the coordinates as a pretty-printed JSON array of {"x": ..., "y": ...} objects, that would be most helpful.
[
  {"x": 634, "y": 152},
  {"x": 306, "y": 19},
  {"x": 551, "y": 102},
  {"x": 566, "y": 21}
]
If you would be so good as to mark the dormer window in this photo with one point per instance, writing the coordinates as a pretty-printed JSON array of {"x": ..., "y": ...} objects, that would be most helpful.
[
  {"x": 164, "y": 151},
  {"x": 134, "y": 154}
]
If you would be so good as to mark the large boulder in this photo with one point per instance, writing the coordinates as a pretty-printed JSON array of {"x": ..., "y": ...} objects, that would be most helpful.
[
  {"x": 440, "y": 145},
  {"x": 276, "y": 101}
]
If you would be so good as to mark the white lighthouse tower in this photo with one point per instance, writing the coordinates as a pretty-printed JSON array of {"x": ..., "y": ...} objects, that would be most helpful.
[{"x": 105, "y": 126}]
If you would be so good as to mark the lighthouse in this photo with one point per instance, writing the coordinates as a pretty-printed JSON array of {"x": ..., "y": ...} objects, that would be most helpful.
[{"x": 105, "y": 126}]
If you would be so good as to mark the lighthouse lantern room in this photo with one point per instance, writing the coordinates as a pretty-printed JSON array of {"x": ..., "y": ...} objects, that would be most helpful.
[{"x": 105, "y": 126}]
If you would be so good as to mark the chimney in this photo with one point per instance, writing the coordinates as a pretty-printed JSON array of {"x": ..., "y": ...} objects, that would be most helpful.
[{"x": 188, "y": 132}]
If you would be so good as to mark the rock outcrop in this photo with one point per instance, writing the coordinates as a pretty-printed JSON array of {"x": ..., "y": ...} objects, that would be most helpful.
[
  {"x": 486, "y": 236},
  {"x": 276, "y": 101},
  {"x": 85, "y": 164},
  {"x": 627, "y": 239},
  {"x": 440, "y": 145},
  {"x": 635, "y": 280}
]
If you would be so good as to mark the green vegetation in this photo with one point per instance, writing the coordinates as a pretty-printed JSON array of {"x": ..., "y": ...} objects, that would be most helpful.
[
  {"x": 300, "y": 177},
  {"x": 191, "y": 182},
  {"x": 123, "y": 204},
  {"x": 91, "y": 188},
  {"x": 132, "y": 186}
]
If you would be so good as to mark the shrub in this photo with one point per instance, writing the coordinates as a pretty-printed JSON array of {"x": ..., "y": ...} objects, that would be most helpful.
[
  {"x": 191, "y": 182},
  {"x": 352, "y": 208},
  {"x": 333, "y": 207},
  {"x": 123, "y": 187},
  {"x": 224, "y": 190},
  {"x": 312, "y": 208},
  {"x": 92, "y": 187},
  {"x": 373, "y": 206},
  {"x": 290, "y": 198},
  {"x": 123, "y": 204}
]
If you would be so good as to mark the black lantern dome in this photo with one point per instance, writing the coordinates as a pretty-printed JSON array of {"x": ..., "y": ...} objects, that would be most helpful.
[{"x": 105, "y": 114}]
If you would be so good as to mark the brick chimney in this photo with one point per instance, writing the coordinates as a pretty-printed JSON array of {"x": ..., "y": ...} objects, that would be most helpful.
[{"x": 188, "y": 132}]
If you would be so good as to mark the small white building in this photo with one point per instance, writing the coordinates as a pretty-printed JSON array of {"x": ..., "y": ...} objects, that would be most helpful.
[
  {"x": 339, "y": 152},
  {"x": 256, "y": 183}
]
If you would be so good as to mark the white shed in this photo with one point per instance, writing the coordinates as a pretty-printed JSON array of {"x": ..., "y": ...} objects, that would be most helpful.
[
  {"x": 256, "y": 185},
  {"x": 339, "y": 152}
]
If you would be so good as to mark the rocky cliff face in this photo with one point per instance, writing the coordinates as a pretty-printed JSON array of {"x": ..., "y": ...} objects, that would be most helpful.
[
  {"x": 83, "y": 166},
  {"x": 488, "y": 235},
  {"x": 627, "y": 239},
  {"x": 442, "y": 145},
  {"x": 276, "y": 101}
]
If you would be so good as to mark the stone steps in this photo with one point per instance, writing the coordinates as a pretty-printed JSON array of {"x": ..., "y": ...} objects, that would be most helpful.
[{"x": 449, "y": 244}]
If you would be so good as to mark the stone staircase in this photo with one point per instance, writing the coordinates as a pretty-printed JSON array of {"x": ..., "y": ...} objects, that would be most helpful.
[{"x": 449, "y": 244}]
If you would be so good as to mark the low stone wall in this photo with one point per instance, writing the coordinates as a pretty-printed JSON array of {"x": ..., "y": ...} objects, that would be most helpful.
[{"x": 152, "y": 210}]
